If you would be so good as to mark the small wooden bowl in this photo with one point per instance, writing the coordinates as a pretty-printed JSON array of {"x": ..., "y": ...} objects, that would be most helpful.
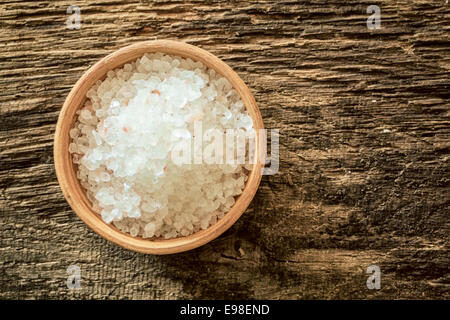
[{"x": 66, "y": 170}]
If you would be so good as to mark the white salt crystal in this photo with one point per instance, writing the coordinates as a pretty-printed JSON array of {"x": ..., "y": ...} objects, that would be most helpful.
[
  {"x": 73, "y": 147},
  {"x": 116, "y": 214},
  {"x": 134, "y": 213},
  {"x": 107, "y": 216},
  {"x": 85, "y": 114},
  {"x": 181, "y": 133},
  {"x": 149, "y": 230},
  {"x": 134, "y": 230},
  {"x": 74, "y": 132},
  {"x": 97, "y": 138}
]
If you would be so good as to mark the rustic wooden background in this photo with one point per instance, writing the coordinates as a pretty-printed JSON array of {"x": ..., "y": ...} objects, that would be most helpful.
[{"x": 364, "y": 118}]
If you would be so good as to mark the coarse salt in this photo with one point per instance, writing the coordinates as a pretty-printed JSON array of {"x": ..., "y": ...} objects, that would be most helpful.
[{"x": 127, "y": 130}]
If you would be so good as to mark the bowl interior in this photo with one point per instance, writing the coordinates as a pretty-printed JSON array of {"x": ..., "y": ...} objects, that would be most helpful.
[{"x": 66, "y": 170}]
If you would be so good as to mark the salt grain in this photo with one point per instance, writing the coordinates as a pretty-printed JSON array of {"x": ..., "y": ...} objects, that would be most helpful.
[{"x": 123, "y": 140}]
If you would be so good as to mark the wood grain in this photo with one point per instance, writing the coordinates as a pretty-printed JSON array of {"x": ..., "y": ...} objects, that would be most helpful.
[{"x": 364, "y": 119}]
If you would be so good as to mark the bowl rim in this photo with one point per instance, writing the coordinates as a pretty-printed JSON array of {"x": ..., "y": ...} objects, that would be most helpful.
[{"x": 66, "y": 175}]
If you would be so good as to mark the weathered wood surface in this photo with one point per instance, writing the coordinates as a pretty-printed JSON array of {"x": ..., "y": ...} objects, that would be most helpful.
[{"x": 364, "y": 160}]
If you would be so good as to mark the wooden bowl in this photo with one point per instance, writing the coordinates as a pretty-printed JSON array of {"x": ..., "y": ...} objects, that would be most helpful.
[{"x": 66, "y": 170}]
